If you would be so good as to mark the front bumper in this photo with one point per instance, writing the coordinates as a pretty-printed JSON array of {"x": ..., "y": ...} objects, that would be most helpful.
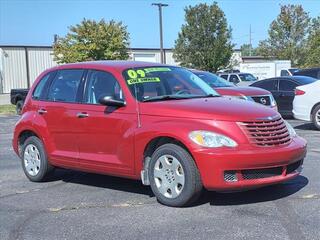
[{"x": 241, "y": 161}]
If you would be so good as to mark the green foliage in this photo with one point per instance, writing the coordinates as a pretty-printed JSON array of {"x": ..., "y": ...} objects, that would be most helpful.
[
  {"x": 313, "y": 45},
  {"x": 205, "y": 39},
  {"x": 287, "y": 35},
  {"x": 91, "y": 40},
  {"x": 245, "y": 50},
  {"x": 7, "y": 109}
]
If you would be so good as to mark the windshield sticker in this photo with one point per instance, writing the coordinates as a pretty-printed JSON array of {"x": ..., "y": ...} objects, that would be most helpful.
[
  {"x": 136, "y": 73},
  {"x": 157, "y": 69},
  {"x": 143, "y": 80}
]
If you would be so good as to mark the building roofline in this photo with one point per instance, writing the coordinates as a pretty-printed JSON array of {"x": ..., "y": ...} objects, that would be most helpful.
[{"x": 48, "y": 46}]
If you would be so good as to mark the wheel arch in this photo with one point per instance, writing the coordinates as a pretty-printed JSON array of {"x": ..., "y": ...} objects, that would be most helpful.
[
  {"x": 23, "y": 136},
  {"x": 149, "y": 149},
  {"x": 314, "y": 106}
]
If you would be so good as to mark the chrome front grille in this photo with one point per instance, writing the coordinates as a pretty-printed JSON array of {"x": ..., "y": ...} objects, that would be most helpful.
[{"x": 266, "y": 132}]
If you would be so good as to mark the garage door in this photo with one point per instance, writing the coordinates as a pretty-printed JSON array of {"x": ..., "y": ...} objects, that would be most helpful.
[{"x": 144, "y": 57}]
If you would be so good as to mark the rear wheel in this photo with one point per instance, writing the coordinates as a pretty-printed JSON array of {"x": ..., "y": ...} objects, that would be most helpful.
[
  {"x": 34, "y": 160},
  {"x": 174, "y": 176},
  {"x": 316, "y": 117}
]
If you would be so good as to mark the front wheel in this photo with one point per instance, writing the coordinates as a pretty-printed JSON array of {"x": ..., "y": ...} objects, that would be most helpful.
[
  {"x": 174, "y": 176},
  {"x": 316, "y": 117}
]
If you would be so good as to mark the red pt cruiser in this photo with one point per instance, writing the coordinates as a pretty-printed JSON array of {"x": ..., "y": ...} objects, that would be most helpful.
[{"x": 157, "y": 123}]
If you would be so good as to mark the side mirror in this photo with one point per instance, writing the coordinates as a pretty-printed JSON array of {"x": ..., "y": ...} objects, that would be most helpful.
[{"x": 109, "y": 101}]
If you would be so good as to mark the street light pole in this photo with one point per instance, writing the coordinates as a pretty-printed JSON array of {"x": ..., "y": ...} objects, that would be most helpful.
[{"x": 160, "y": 5}]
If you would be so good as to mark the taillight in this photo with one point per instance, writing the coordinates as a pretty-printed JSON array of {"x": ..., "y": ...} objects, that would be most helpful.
[{"x": 299, "y": 92}]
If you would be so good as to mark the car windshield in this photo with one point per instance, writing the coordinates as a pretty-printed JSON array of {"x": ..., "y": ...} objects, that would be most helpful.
[
  {"x": 247, "y": 77},
  {"x": 165, "y": 83},
  {"x": 213, "y": 80}
]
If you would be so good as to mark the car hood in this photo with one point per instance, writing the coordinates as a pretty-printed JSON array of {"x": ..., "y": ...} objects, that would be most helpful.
[
  {"x": 217, "y": 108},
  {"x": 242, "y": 91}
]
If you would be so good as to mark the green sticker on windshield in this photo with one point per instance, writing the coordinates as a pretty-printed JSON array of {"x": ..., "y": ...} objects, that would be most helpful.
[
  {"x": 143, "y": 80},
  {"x": 157, "y": 69}
]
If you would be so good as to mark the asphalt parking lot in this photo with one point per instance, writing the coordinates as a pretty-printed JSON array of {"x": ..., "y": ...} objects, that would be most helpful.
[{"x": 75, "y": 205}]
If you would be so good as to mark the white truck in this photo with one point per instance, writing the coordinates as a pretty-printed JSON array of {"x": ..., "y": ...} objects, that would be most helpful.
[{"x": 263, "y": 70}]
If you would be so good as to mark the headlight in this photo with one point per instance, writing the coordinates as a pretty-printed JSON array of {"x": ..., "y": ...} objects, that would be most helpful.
[
  {"x": 291, "y": 130},
  {"x": 211, "y": 139}
]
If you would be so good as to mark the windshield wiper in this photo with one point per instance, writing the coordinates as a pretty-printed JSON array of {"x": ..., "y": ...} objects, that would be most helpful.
[
  {"x": 175, "y": 97},
  {"x": 206, "y": 96},
  {"x": 164, "y": 97}
]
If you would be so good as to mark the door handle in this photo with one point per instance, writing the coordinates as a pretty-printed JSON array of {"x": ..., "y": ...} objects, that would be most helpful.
[
  {"x": 82, "y": 115},
  {"x": 42, "y": 111}
]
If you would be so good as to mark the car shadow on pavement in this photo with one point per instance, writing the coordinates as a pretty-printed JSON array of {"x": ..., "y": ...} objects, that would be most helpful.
[
  {"x": 306, "y": 126},
  {"x": 101, "y": 181},
  {"x": 269, "y": 193},
  {"x": 265, "y": 194}
]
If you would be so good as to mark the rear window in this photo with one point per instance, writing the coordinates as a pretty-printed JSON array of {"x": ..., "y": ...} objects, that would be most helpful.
[{"x": 303, "y": 80}]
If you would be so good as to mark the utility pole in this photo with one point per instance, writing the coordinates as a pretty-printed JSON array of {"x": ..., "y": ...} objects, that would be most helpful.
[
  {"x": 160, "y": 5},
  {"x": 250, "y": 42}
]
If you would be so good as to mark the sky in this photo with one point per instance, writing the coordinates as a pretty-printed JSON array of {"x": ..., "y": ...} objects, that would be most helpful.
[{"x": 34, "y": 22}]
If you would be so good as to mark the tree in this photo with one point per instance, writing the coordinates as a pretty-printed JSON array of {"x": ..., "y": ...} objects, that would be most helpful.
[
  {"x": 91, "y": 40},
  {"x": 287, "y": 35},
  {"x": 205, "y": 39},
  {"x": 247, "y": 50},
  {"x": 313, "y": 45}
]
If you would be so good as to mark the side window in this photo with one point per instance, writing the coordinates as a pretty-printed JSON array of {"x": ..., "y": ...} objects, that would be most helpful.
[
  {"x": 234, "y": 78},
  {"x": 286, "y": 85},
  {"x": 224, "y": 76},
  {"x": 65, "y": 85},
  {"x": 268, "y": 85},
  {"x": 101, "y": 84},
  {"x": 284, "y": 73},
  {"x": 38, "y": 92}
]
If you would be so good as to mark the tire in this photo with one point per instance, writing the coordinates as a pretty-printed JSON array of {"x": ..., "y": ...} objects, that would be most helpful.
[
  {"x": 174, "y": 176},
  {"x": 316, "y": 117},
  {"x": 34, "y": 160},
  {"x": 19, "y": 106}
]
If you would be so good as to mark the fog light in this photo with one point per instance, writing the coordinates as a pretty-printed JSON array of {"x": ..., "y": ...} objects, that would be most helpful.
[{"x": 230, "y": 176}]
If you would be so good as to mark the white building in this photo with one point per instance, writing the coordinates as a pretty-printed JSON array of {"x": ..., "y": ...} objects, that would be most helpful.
[{"x": 20, "y": 65}]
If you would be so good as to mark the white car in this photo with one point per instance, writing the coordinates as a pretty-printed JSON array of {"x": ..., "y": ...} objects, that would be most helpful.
[
  {"x": 238, "y": 78},
  {"x": 306, "y": 103}
]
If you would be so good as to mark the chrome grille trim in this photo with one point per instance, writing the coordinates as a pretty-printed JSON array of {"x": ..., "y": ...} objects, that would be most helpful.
[{"x": 266, "y": 132}]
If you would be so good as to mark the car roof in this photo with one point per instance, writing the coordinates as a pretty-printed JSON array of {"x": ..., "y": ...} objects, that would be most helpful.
[
  {"x": 118, "y": 64},
  {"x": 299, "y": 79},
  {"x": 236, "y": 73},
  {"x": 309, "y": 69}
]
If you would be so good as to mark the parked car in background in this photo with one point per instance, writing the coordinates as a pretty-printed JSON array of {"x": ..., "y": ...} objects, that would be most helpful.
[
  {"x": 228, "y": 89},
  {"x": 288, "y": 72},
  {"x": 311, "y": 72},
  {"x": 240, "y": 79},
  {"x": 157, "y": 123},
  {"x": 306, "y": 104},
  {"x": 282, "y": 89},
  {"x": 17, "y": 97}
]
